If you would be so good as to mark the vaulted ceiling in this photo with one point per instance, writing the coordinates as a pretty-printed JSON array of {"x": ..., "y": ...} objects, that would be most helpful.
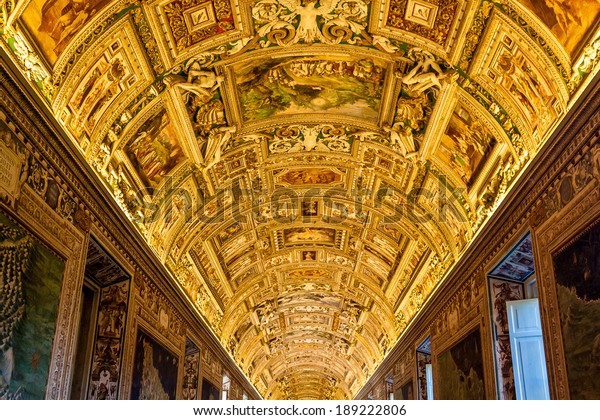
[{"x": 307, "y": 170}]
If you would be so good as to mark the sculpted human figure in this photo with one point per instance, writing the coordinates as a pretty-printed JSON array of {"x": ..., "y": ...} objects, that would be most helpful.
[
  {"x": 217, "y": 140},
  {"x": 200, "y": 82},
  {"x": 426, "y": 74}
]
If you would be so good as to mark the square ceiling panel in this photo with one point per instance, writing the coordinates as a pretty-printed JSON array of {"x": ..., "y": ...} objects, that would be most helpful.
[
  {"x": 421, "y": 12},
  {"x": 192, "y": 26},
  {"x": 423, "y": 22}
]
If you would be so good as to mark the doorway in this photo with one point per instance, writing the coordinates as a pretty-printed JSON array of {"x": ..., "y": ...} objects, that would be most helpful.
[
  {"x": 516, "y": 325},
  {"x": 424, "y": 371}
]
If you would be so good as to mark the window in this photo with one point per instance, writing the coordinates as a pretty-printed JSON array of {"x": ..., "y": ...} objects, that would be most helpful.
[
  {"x": 389, "y": 387},
  {"x": 516, "y": 325},
  {"x": 226, "y": 387}
]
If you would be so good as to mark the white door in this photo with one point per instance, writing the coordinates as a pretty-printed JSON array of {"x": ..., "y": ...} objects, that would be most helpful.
[
  {"x": 429, "y": 381},
  {"x": 527, "y": 347}
]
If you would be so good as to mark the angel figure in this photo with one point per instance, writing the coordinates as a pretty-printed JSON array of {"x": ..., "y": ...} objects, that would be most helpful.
[
  {"x": 308, "y": 12},
  {"x": 384, "y": 44}
]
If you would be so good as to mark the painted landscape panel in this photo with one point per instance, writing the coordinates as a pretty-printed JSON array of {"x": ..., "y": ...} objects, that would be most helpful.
[
  {"x": 461, "y": 370},
  {"x": 289, "y": 86},
  {"x": 30, "y": 280},
  {"x": 577, "y": 272}
]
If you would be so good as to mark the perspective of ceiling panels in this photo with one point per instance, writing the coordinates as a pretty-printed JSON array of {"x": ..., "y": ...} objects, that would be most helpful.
[{"x": 307, "y": 170}]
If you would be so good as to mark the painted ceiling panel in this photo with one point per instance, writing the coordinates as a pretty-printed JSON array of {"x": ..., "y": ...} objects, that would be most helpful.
[{"x": 308, "y": 170}]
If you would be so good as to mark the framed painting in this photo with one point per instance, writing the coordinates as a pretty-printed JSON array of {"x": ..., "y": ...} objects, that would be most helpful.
[
  {"x": 466, "y": 145},
  {"x": 407, "y": 391},
  {"x": 54, "y": 23},
  {"x": 309, "y": 235},
  {"x": 209, "y": 391},
  {"x": 155, "y": 149},
  {"x": 323, "y": 84},
  {"x": 570, "y": 21},
  {"x": 577, "y": 274},
  {"x": 30, "y": 283},
  {"x": 154, "y": 370},
  {"x": 312, "y": 176},
  {"x": 460, "y": 370}
]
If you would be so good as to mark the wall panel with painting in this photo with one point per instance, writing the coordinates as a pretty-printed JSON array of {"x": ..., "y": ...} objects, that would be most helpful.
[
  {"x": 568, "y": 244},
  {"x": 404, "y": 374},
  {"x": 41, "y": 267},
  {"x": 460, "y": 369},
  {"x": 30, "y": 282},
  {"x": 209, "y": 390},
  {"x": 155, "y": 370}
]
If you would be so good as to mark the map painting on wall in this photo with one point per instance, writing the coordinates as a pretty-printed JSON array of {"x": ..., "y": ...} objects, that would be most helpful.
[
  {"x": 209, "y": 391},
  {"x": 154, "y": 371},
  {"x": 288, "y": 86},
  {"x": 30, "y": 280},
  {"x": 461, "y": 370},
  {"x": 577, "y": 272},
  {"x": 407, "y": 391}
]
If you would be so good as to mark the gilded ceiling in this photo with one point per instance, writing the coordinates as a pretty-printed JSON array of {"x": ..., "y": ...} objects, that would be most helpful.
[{"x": 308, "y": 170}]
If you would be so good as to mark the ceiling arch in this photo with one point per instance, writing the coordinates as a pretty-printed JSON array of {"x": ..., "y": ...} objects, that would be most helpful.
[{"x": 308, "y": 170}]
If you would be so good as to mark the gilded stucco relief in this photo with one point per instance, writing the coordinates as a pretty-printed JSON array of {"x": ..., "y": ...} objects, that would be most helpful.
[{"x": 307, "y": 171}]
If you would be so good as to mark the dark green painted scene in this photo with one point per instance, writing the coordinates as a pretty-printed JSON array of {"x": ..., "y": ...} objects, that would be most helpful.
[{"x": 30, "y": 281}]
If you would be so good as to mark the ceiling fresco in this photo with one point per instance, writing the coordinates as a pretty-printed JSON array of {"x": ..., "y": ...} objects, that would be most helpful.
[{"x": 308, "y": 170}]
